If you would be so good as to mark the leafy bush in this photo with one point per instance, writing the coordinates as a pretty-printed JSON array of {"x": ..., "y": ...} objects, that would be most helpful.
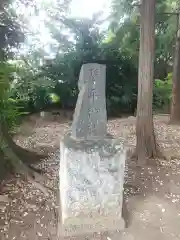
[
  {"x": 9, "y": 109},
  {"x": 162, "y": 94},
  {"x": 11, "y": 113}
]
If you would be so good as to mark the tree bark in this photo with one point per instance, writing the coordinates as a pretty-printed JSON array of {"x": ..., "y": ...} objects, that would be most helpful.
[
  {"x": 12, "y": 160},
  {"x": 28, "y": 157},
  {"x": 16, "y": 165},
  {"x": 17, "y": 159},
  {"x": 175, "y": 105},
  {"x": 5, "y": 166},
  {"x": 146, "y": 146}
]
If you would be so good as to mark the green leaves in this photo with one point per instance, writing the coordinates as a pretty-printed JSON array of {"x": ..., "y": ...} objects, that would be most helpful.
[
  {"x": 54, "y": 98},
  {"x": 125, "y": 26},
  {"x": 162, "y": 93},
  {"x": 35, "y": 82},
  {"x": 8, "y": 106}
]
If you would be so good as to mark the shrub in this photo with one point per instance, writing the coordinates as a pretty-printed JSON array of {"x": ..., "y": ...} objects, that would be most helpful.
[{"x": 162, "y": 94}]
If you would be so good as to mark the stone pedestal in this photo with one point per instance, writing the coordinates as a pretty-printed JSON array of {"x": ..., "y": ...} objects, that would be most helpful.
[{"x": 91, "y": 185}]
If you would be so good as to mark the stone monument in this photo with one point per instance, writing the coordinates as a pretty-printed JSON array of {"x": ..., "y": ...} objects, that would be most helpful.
[
  {"x": 91, "y": 163},
  {"x": 90, "y": 118}
]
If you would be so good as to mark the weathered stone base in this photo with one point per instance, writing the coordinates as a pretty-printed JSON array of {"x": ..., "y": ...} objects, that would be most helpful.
[
  {"x": 93, "y": 226},
  {"x": 91, "y": 186}
]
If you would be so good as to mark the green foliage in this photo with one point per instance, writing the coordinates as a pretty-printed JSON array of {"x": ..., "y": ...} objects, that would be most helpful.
[
  {"x": 162, "y": 93},
  {"x": 89, "y": 46},
  {"x": 9, "y": 110},
  {"x": 38, "y": 83},
  {"x": 125, "y": 26},
  {"x": 54, "y": 98},
  {"x": 10, "y": 31}
]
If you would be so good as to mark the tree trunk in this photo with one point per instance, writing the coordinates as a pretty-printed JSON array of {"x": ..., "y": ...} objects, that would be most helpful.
[
  {"x": 175, "y": 105},
  {"x": 5, "y": 165},
  {"x": 16, "y": 158},
  {"x": 146, "y": 147},
  {"x": 12, "y": 160}
]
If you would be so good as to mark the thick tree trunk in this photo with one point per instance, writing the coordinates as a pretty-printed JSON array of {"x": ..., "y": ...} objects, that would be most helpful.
[
  {"x": 12, "y": 162},
  {"x": 175, "y": 105},
  {"x": 146, "y": 146},
  {"x": 16, "y": 158},
  {"x": 5, "y": 165}
]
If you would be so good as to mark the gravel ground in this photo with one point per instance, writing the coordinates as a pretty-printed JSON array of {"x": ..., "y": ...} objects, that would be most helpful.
[{"x": 152, "y": 194}]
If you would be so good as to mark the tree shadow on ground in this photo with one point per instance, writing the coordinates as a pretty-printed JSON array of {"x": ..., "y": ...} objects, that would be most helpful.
[{"x": 141, "y": 183}]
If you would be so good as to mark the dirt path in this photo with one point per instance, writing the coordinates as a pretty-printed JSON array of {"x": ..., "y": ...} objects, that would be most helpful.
[{"x": 152, "y": 195}]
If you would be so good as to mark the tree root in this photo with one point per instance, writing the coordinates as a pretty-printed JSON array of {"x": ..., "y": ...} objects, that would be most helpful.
[
  {"x": 143, "y": 158},
  {"x": 39, "y": 186},
  {"x": 28, "y": 157},
  {"x": 34, "y": 178},
  {"x": 20, "y": 159},
  {"x": 37, "y": 170},
  {"x": 30, "y": 174}
]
